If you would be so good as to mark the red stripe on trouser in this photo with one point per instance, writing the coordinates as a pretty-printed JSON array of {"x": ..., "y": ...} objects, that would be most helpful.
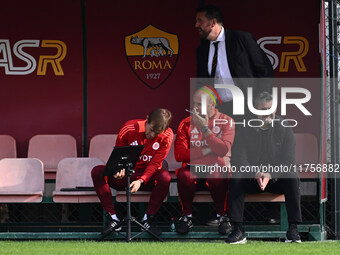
[
  {"x": 159, "y": 185},
  {"x": 226, "y": 204},
  {"x": 186, "y": 189},
  {"x": 218, "y": 190}
]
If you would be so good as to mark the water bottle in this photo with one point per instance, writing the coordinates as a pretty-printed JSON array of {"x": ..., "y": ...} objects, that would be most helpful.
[{"x": 172, "y": 225}]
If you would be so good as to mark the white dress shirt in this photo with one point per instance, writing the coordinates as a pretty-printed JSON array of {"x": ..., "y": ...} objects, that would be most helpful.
[{"x": 222, "y": 75}]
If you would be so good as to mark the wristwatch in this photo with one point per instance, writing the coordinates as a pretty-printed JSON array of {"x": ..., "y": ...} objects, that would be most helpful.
[
  {"x": 141, "y": 181},
  {"x": 204, "y": 129}
]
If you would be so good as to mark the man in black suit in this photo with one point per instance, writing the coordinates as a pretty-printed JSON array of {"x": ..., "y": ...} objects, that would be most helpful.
[
  {"x": 228, "y": 55},
  {"x": 231, "y": 57}
]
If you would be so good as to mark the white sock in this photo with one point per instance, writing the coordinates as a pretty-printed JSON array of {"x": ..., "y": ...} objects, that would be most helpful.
[
  {"x": 114, "y": 217},
  {"x": 190, "y": 215},
  {"x": 145, "y": 217},
  {"x": 218, "y": 215}
]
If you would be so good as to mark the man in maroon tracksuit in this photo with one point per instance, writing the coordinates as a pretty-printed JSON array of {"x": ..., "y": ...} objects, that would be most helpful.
[
  {"x": 201, "y": 141},
  {"x": 156, "y": 136}
]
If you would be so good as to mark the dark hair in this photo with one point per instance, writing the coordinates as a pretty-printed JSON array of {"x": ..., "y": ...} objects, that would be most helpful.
[
  {"x": 211, "y": 12},
  {"x": 263, "y": 97},
  {"x": 160, "y": 118}
]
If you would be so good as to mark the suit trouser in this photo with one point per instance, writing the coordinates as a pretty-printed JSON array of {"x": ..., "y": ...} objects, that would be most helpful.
[{"x": 289, "y": 187}]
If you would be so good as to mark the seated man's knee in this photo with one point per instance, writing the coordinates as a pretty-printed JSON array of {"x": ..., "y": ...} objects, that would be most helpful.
[
  {"x": 213, "y": 182},
  {"x": 235, "y": 182},
  {"x": 294, "y": 181},
  {"x": 218, "y": 175},
  {"x": 183, "y": 174},
  {"x": 164, "y": 177},
  {"x": 290, "y": 175},
  {"x": 97, "y": 172}
]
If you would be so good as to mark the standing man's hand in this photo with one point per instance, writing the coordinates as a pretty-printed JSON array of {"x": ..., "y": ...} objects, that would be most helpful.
[{"x": 262, "y": 179}]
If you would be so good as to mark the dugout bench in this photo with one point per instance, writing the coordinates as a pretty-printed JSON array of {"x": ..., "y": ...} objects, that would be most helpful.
[{"x": 89, "y": 230}]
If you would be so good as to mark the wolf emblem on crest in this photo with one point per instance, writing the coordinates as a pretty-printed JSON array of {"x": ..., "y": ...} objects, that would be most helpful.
[{"x": 157, "y": 44}]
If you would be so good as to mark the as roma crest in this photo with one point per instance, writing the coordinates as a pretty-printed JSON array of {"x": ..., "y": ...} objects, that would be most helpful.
[{"x": 152, "y": 54}]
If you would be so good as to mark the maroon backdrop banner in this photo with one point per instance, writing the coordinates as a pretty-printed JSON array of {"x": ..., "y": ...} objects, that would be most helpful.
[
  {"x": 124, "y": 82},
  {"x": 140, "y": 55},
  {"x": 40, "y": 69}
]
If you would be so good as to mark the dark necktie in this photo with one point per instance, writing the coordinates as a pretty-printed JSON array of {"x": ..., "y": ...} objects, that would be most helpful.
[{"x": 214, "y": 62}]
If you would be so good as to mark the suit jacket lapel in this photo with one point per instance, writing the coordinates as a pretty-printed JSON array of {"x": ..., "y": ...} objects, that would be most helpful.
[{"x": 205, "y": 56}]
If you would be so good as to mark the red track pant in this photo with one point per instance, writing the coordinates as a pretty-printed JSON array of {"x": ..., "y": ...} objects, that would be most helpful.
[
  {"x": 158, "y": 185},
  {"x": 187, "y": 186}
]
